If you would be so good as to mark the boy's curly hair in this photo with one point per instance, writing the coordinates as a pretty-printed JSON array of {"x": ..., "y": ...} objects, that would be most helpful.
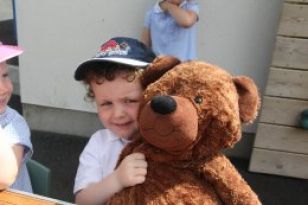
[{"x": 97, "y": 73}]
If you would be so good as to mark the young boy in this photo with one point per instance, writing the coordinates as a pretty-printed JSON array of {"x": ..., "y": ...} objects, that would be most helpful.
[
  {"x": 112, "y": 78},
  {"x": 15, "y": 144},
  {"x": 170, "y": 28}
]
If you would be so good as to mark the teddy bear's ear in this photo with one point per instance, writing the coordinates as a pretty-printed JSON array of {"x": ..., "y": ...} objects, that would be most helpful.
[
  {"x": 249, "y": 100},
  {"x": 157, "y": 68}
]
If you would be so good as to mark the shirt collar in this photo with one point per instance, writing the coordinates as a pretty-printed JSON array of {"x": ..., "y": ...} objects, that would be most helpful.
[
  {"x": 6, "y": 117},
  {"x": 157, "y": 8},
  {"x": 112, "y": 137}
]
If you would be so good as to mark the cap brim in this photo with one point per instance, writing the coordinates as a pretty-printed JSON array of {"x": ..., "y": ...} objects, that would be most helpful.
[
  {"x": 7, "y": 52},
  {"x": 81, "y": 69}
]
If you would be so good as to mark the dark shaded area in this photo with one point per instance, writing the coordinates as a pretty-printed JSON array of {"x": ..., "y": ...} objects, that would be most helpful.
[
  {"x": 273, "y": 189},
  {"x": 15, "y": 103},
  {"x": 8, "y": 37},
  {"x": 60, "y": 153}
]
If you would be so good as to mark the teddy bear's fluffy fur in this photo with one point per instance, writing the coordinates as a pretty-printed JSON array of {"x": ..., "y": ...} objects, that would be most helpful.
[{"x": 190, "y": 112}]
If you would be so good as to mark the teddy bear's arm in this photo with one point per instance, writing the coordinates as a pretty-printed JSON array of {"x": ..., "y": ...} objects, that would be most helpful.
[{"x": 227, "y": 182}]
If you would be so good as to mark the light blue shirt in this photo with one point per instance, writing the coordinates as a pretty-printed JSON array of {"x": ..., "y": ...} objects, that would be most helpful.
[
  {"x": 15, "y": 128},
  {"x": 167, "y": 37}
]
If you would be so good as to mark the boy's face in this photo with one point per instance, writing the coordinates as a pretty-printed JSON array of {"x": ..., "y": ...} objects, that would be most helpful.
[
  {"x": 117, "y": 105},
  {"x": 6, "y": 87}
]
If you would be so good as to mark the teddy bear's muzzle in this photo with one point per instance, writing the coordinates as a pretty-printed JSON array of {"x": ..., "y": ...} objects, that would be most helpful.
[
  {"x": 169, "y": 123},
  {"x": 163, "y": 104}
]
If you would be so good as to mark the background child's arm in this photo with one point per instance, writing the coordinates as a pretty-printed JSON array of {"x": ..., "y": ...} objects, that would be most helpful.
[
  {"x": 184, "y": 18},
  {"x": 130, "y": 172},
  {"x": 146, "y": 37},
  {"x": 10, "y": 158}
]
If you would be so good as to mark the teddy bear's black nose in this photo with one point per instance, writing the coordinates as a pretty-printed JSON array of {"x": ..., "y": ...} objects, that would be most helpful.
[{"x": 163, "y": 104}]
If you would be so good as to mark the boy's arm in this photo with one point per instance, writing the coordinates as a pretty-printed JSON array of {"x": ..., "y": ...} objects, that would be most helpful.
[
  {"x": 184, "y": 18},
  {"x": 100, "y": 192},
  {"x": 130, "y": 172},
  {"x": 11, "y": 157},
  {"x": 146, "y": 37}
]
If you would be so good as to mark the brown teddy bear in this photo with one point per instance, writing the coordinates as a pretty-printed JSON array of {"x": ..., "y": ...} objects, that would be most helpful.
[{"x": 190, "y": 112}]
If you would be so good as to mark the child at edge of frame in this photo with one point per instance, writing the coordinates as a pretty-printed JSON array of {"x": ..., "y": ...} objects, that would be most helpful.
[{"x": 15, "y": 143}]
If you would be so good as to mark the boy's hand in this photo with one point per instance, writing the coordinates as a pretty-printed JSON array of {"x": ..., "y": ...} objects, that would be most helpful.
[
  {"x": 132, "y": 170},
  {"x": 164, "y": 5}
]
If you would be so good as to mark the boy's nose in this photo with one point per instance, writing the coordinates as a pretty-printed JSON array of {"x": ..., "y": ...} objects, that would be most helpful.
[{"x": 118, "y": 111}]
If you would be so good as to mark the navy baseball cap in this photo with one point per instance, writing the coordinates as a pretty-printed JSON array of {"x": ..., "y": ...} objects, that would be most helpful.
[{"x": 120, "y": 50}]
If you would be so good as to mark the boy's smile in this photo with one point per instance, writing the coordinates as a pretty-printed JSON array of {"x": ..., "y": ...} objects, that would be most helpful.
[{"x": 117, "y": 105}]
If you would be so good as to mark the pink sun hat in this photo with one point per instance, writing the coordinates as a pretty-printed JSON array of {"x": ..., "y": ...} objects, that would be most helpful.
[{"x": 8, "y": 51}]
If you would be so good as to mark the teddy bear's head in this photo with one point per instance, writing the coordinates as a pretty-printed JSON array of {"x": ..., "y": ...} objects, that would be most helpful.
[{"x": 194, "y": 109}]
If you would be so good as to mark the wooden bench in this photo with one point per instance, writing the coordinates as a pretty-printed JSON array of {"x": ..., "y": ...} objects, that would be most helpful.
[{"x": 281, "y": 145}]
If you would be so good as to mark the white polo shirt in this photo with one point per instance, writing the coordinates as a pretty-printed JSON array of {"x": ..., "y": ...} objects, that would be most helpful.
[{"x": 98, "y": 158}]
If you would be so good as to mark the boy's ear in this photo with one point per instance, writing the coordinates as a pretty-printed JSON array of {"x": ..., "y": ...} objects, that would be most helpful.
[
  {"x": 157, "y": 68},
  {"x": 249, "y": 100}
]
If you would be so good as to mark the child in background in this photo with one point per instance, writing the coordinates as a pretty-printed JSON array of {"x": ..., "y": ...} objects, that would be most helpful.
[
  {"x": 15, "y": 143},
  {"x": 112, "y": 78},
  {"x": 170, "y": 28}
]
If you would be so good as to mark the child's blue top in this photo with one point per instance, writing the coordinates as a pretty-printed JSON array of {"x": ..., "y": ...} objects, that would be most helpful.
[
  {"x": 15, "y": 128},
  {"x": 167, "y": 37}
]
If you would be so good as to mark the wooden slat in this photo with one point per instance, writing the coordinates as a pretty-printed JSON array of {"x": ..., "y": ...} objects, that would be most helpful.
[
  {"x": 280, "y": 163},
  {"x": 294, "y": 20},
  {"x": 282, "y": 138},
  {"x": 287, "y": 83},
  {"x": 282, "y": 111},
  {"x": 291, "y": 52}
]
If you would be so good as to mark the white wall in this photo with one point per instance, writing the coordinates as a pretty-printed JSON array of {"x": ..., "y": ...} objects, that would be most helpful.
[
  {"x": 57, "y": 35},
  {"x": 6, "y": 12},
  {"x": 239, "y": 35}
]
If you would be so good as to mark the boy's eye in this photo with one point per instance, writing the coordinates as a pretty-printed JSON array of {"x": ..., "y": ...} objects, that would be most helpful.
[
  {"x": 105, "y": 103},
  {"x": 5, "y": 75}
]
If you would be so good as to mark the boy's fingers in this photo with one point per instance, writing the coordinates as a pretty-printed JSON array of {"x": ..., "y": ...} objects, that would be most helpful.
[
  {"x": 137, "y": 156},
  {"x": 139, "y": 179},
  {"x": 141, "y": 172},
  {"x": 140, "y": 164}
]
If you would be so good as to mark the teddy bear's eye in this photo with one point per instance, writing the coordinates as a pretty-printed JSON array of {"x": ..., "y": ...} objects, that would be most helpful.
[{"x": 198, "y": 99}]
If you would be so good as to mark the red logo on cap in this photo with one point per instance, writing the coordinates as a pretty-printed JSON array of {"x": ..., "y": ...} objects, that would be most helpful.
[
  {"x": 109, "y": 45},
  {"x": 112, "y": 47}
]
